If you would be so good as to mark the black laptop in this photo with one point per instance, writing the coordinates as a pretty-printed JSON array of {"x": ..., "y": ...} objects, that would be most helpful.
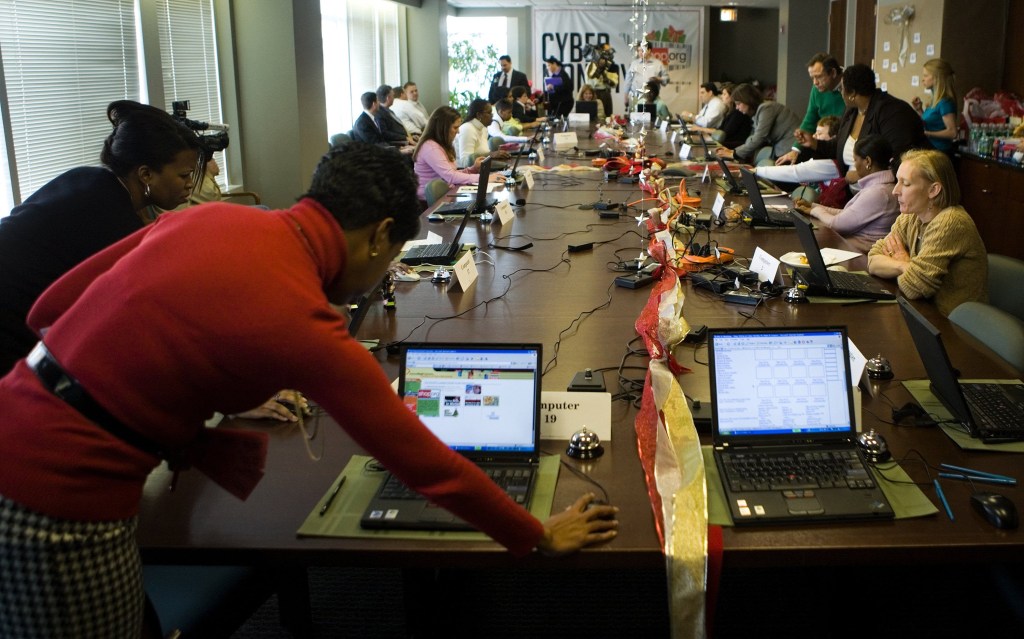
[
  {"x": 821, "y": 281},
  {"x": 760, "y": 215},
  {"x": 483, "y": 401},
  {"x": 590, "y": 108},
  {"x": 440, "y": 254},
  {"x": 993, "y": 413},
  {"x": 784, "y": 430},
  {"x": 475, "y": 205}
]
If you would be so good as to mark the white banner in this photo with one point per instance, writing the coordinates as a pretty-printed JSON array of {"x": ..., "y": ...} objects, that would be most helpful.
[{"x": 676, "y": 34}]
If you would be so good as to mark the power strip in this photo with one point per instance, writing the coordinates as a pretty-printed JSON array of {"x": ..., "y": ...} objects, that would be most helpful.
[
  {"x": 636, "y": 280},
  {"x": 741, "y": 297}
]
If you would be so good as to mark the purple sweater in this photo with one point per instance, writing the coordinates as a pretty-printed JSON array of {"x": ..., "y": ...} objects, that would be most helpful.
[{"x": 868, "y": 215}]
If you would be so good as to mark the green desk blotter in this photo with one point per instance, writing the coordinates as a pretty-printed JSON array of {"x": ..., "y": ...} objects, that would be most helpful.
[
  {"x": 920, "y": 389},
  {"x": 342, "y": 518},
  {"x": 906, "y": 500}
]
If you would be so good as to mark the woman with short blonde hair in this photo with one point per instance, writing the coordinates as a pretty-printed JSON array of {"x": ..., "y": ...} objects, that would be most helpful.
[{"x": 934, "y": 249}]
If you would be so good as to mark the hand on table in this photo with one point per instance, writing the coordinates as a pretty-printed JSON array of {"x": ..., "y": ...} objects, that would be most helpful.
[
  {"x": 278, "y": 407},
  {"x": 802, "y": 205},
  {"x": 723, "y": 152},
  {"x": 577, "y": 527}
]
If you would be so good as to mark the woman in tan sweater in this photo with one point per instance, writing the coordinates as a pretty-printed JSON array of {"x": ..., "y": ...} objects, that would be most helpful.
[{"x": 933, "y": 250}]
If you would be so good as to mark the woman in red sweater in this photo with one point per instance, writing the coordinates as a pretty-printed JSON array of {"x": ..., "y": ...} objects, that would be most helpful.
[{"x": 244, "y": 317}]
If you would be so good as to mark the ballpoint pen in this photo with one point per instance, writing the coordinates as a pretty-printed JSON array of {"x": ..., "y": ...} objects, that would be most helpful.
[
  {"x": 942, "y": 498},
  {"x": 330, "y": 497},
  {"x": 1005, "y": 481},
  {"x": 974, "y": 473}
]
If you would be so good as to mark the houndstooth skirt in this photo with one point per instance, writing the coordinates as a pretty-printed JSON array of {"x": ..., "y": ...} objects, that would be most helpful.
[{"x": 62, "y": 578}]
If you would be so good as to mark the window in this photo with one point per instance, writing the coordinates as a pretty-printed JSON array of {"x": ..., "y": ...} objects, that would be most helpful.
[
  {"x": 360, "y": 53},
  {"x": 188, "y": 57},
  {"x": 474, "y": 44},
  {"x": 63, "y": 63}
]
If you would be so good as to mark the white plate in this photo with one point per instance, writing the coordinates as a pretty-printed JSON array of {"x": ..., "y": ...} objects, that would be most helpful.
[{"x": 795, "y": 259}]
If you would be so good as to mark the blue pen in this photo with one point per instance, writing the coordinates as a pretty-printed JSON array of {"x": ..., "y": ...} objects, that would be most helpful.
[
  {"x": 942, "y": 498},
  {"x": 972, "y": 472},
  {"x": 1006, "y": 481}
]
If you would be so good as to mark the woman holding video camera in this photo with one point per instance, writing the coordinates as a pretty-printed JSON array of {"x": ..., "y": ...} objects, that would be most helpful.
[{"x": 149, "y": 160}]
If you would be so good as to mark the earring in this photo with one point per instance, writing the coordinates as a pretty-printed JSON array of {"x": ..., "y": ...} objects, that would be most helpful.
[
  {"x": 374, "y": 253},
  {"x": 146, "y": 191}
]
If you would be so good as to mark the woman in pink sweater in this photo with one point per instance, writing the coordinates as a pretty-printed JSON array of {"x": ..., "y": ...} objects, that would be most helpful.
[{"x": 434, "y": 157}]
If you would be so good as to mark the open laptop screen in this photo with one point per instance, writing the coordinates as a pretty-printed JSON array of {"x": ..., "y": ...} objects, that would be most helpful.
[
  {"x": 780, "y": 382},
  {"x": 475, "y": 398}
]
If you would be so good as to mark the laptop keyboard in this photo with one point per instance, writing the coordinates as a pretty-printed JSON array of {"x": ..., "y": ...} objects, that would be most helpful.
[
  {"x": 795, "y": 471},
  {"x": 514, "y": 481},
  {"x": 428, "y": 251},
  {"x": 992, "y": 409},
  {"x": 851, "y": 282},
  {"x": 781, "y": 217}
]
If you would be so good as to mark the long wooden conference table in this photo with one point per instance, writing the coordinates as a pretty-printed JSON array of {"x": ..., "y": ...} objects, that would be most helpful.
[{"x": 567, "y": 302}]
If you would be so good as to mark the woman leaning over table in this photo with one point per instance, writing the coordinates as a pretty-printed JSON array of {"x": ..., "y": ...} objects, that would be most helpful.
[
  {"x": 869, "y": 215},
  {"x": 772, "y": 125},
  {"x": 434, "y": 156},
  {"x": 934, "y": 250},
  {"x": 207, "y": 330}
]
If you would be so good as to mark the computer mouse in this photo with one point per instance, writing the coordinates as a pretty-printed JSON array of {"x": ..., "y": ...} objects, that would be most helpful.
[
  {"x": 599, "y": 502},
  {"x": 997, "y": 509},
  {"x": 435, "y": 217}
]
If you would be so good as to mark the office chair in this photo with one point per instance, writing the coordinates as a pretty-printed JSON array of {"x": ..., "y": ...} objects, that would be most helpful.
[
  {"x": 230, "y": 195},
  {"x": 805, "y": 192},
  {"x": 763, "y": 157},
  {"x": 435, "y": 189},
  {"x": 340, "y": 138},
  {"x": 494, "y": 144},
  {"x": 1000, "y": 323}
]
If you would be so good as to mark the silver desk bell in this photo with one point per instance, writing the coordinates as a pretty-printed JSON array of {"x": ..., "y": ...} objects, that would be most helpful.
[{"x": 585, "y": 444}]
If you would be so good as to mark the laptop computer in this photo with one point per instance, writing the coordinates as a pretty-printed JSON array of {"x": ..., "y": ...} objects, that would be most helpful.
[
  {"x": 483, "y": 401},
  {"x": 993, "y": 413},
  {"x": 821, "y": 281},
  {"x": 783, "y": 427},
  {"x": 760, "y": 215},
  {"x": 442, "y": 253},
  {"x": 590, "y": 108},
  {"x": 477, "y": 204}
]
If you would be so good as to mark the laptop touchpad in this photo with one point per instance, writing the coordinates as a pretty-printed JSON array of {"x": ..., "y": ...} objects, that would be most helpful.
[
  {"x": 436, "y": 513},
  {"x": 804, "y": 506}
]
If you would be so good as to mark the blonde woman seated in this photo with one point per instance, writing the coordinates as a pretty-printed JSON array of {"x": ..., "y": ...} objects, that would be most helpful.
[
  {"x": 587, "y": 94},
  {"x": 934, "y": 250},
  {"x": 869, "y": 215},
  {"x": 434, "y": 157}
]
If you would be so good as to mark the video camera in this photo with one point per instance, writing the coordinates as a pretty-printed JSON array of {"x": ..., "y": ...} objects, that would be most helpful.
[
  {"x": 594, "y": 53},
  {"x": 216, "y": 138}
]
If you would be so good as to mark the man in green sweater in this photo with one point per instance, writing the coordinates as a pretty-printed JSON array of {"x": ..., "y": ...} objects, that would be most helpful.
[{"x": 826, "y": 99}]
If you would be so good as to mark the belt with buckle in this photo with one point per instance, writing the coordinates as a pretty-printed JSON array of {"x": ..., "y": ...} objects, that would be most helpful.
[{"x": 60, "y": 383}]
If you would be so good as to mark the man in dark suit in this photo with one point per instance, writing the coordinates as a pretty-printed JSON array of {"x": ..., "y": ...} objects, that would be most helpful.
[
  {"x": 504, "y": 80},
  {"x": 365, "y": 128},
  {"x": 390, "y": 126}
]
